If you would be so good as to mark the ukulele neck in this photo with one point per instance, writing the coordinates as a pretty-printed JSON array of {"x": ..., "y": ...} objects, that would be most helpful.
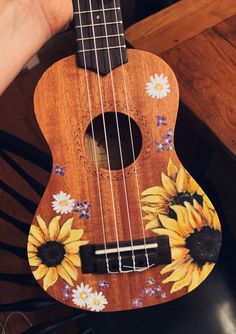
[{"x": 99, "y": 35}]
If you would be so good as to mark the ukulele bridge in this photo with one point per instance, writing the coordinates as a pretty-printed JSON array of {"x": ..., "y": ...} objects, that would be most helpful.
[{"x": 124, "y": 257}]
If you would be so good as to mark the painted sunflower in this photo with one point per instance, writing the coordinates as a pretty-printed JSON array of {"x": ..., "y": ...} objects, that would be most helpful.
[
  {"x": 54, "y": 250},
  {"x": 195, "y": 240},
  {"x": 178, "y": 187}
]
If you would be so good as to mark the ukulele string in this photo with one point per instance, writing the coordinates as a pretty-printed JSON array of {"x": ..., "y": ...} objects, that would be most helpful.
[
  {"x": 94, "y": 142},
  {"x": 119, "y": 138},
  {"x": 132, "y": 139},
  {"x": 106, "y": 140}
]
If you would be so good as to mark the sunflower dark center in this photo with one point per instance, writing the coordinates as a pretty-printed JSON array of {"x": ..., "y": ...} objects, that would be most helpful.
[
  {"x": 51, "y": 253},
  {"x": 181, "y": 198},
  {"x": 204, "y": 245}
]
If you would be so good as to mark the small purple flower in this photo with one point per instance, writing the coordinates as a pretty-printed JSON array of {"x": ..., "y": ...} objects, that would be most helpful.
[
  {"x": 158, "y": 288},
  {"x": 83, "y": 208},
  {"x": 149, "y": 292},
  {"x": 160, "y": 147},
  {"x": 66, "y": 292},
  {"x": 137, "y": 302},
  {"x": 161, "y": 121},
  {"x": 103, "y": 284},
  {"x": 150, "y": 281},
  {"x": 59, "y": 170},
  {"x": 163, "y": 295}
]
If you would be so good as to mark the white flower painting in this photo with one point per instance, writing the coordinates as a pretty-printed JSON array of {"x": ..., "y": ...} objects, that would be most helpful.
[
  {"x": 158, "y": 87},
  {"x": 63, "y": 203}
]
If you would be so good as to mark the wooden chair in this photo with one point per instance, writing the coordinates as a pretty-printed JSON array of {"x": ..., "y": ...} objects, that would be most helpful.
[{"x": 198, "y": 40}]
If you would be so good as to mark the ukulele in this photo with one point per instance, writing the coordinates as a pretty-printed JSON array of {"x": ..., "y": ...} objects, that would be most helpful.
[{"x": 122, "y": 224}]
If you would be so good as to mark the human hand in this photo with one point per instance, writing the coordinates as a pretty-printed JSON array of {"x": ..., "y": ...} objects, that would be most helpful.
[{"x": 56, "y": 14}]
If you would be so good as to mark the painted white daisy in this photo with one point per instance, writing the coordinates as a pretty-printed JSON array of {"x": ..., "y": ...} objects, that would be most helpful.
[
  {"x": 81, "y": 295},
  {"x": 158, "y": 87},
  {"x": 97, "y": 301},
  {"x": 63, "y": 203}
]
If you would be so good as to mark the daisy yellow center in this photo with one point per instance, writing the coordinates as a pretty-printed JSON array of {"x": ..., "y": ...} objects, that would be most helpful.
[
  {"x": 204, "y": 245},
  {"x": 83, "y": 295},
  {"x": 96, "y": 302},
  {"x": 159, "y": 87},
  {"x": 63, "y": 203}
]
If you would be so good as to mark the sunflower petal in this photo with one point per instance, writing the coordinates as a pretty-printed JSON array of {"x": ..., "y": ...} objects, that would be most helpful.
[
  {"x": 216, "y": 222},
  {"x": 33, "y": 241},
  {"x": 156, "y": 191},
  {"x": 43, "y": 227},
  {"x": 179, "y": 253},
  {"x": 75, "y": 259},
  {"x": 65, "y": 230},
  {"x": 70, "y": 269},
  {"x": 154, "y": 199},
  {"x": 50, "y": 278},
  {"x": 195, "y": 279},
  {"x": 172, "y": 170},
  {"x": 54, "y": 228},
  {"x": 179, "y": 273},
  {"x": 31, "y": 248},
  {"x": 171, "y": 234},
  {"x": 182, "y": 219},
  {"x": 36, "y": 232},
  {"x": 40, "y": 272},
  {"x": 206, "y": 270},
  {"x": 182, "y": 181},
  {"x": 30, "y": 255},
  {"x": 75, "y": 235},
  {"x": 63, "y": 274},
  {"x": 194, "y": 217},
  {"x": 152, "y": 224},
  {"x": 207, "y": 214},
  {"x": 208, "y": 202},
  {"x": 169, "y": 185},
  {"x": 34, "y": 261},
  {"x": 185, "y": 281},
  {"x": 172, "y": 266},
  {"x": 170, "y": 224},
  {"x": 192, "y": 186}
]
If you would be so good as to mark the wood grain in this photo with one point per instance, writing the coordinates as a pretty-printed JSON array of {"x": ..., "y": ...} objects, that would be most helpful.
[
  {"x": 62, "y": 110},
  {"x": 176, "y": 24}
]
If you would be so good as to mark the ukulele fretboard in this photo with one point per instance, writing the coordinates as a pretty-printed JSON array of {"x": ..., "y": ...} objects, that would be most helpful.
[{"x": 99, "y": 35}]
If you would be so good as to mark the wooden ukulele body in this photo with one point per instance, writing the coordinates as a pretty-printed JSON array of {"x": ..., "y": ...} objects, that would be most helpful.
[{"x": 63, "y": 110}]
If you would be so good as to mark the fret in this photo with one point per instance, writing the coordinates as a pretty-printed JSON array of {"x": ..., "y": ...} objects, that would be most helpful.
[
  {"x": 99, "y": 29},
  {"x": 102, "y": 49},
  {"x": 97, "y": 10},
  {"x": 98, "y": 37},
  {"x": 97, "y": 24}
]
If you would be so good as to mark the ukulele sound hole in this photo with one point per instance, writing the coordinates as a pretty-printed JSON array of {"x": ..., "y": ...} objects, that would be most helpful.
[{"x": 116, "y": 151}]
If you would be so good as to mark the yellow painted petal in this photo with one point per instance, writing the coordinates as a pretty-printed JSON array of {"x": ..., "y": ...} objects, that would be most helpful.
[
  {"x": 31, "y": 248},
  {"x": 40, "y": 272},
  {"x": 152, "y": 224},
  {"x": 51, "y": 277},
  {"x": 33, "y": 241},
  {"x": 182, "y": 181},
  {"x": 63, "y": 274},
  {"x": 207, "y": 214},
  {"x": 194, "y": 217},
  {"x": 172, "y": 170},
  {"x": 75, "y": 235},
  {"x": 43, "y": 227},
  {"x": 179, "y": 273},
  {"x": 36, "y": 232},
  {"x": 192, "y": 186},
  {"x": 154, "y": 199},
  {"x": 54, "y": 228},
  {"x": 182, "y": 219},
  {"x": 156, "y": 191},
  {"x": 34, "y": 261},
  {"x": 195, "y": 279},
  {"x": 208, "y": 202},
  {"x": 185, "y": 281},
  {"x": 172, "y": 266},
  {"x": 216, "y": 222},
  {"x": 149, "y": 217},
  {"x": 70, "y": 269},
  {"x": 74, "y": 258},
  {"x": 169, "y": 233},
  {"x": 65, "y": 230},
  {"x": 170, "y": 224},
  {"x": 73, "y": 247},
  {"x": 169, "y": 185},
  {"x": 179, "y": 253},
  {"x": 206, "y": 270},
  {"x": 30, "y": 255}
]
